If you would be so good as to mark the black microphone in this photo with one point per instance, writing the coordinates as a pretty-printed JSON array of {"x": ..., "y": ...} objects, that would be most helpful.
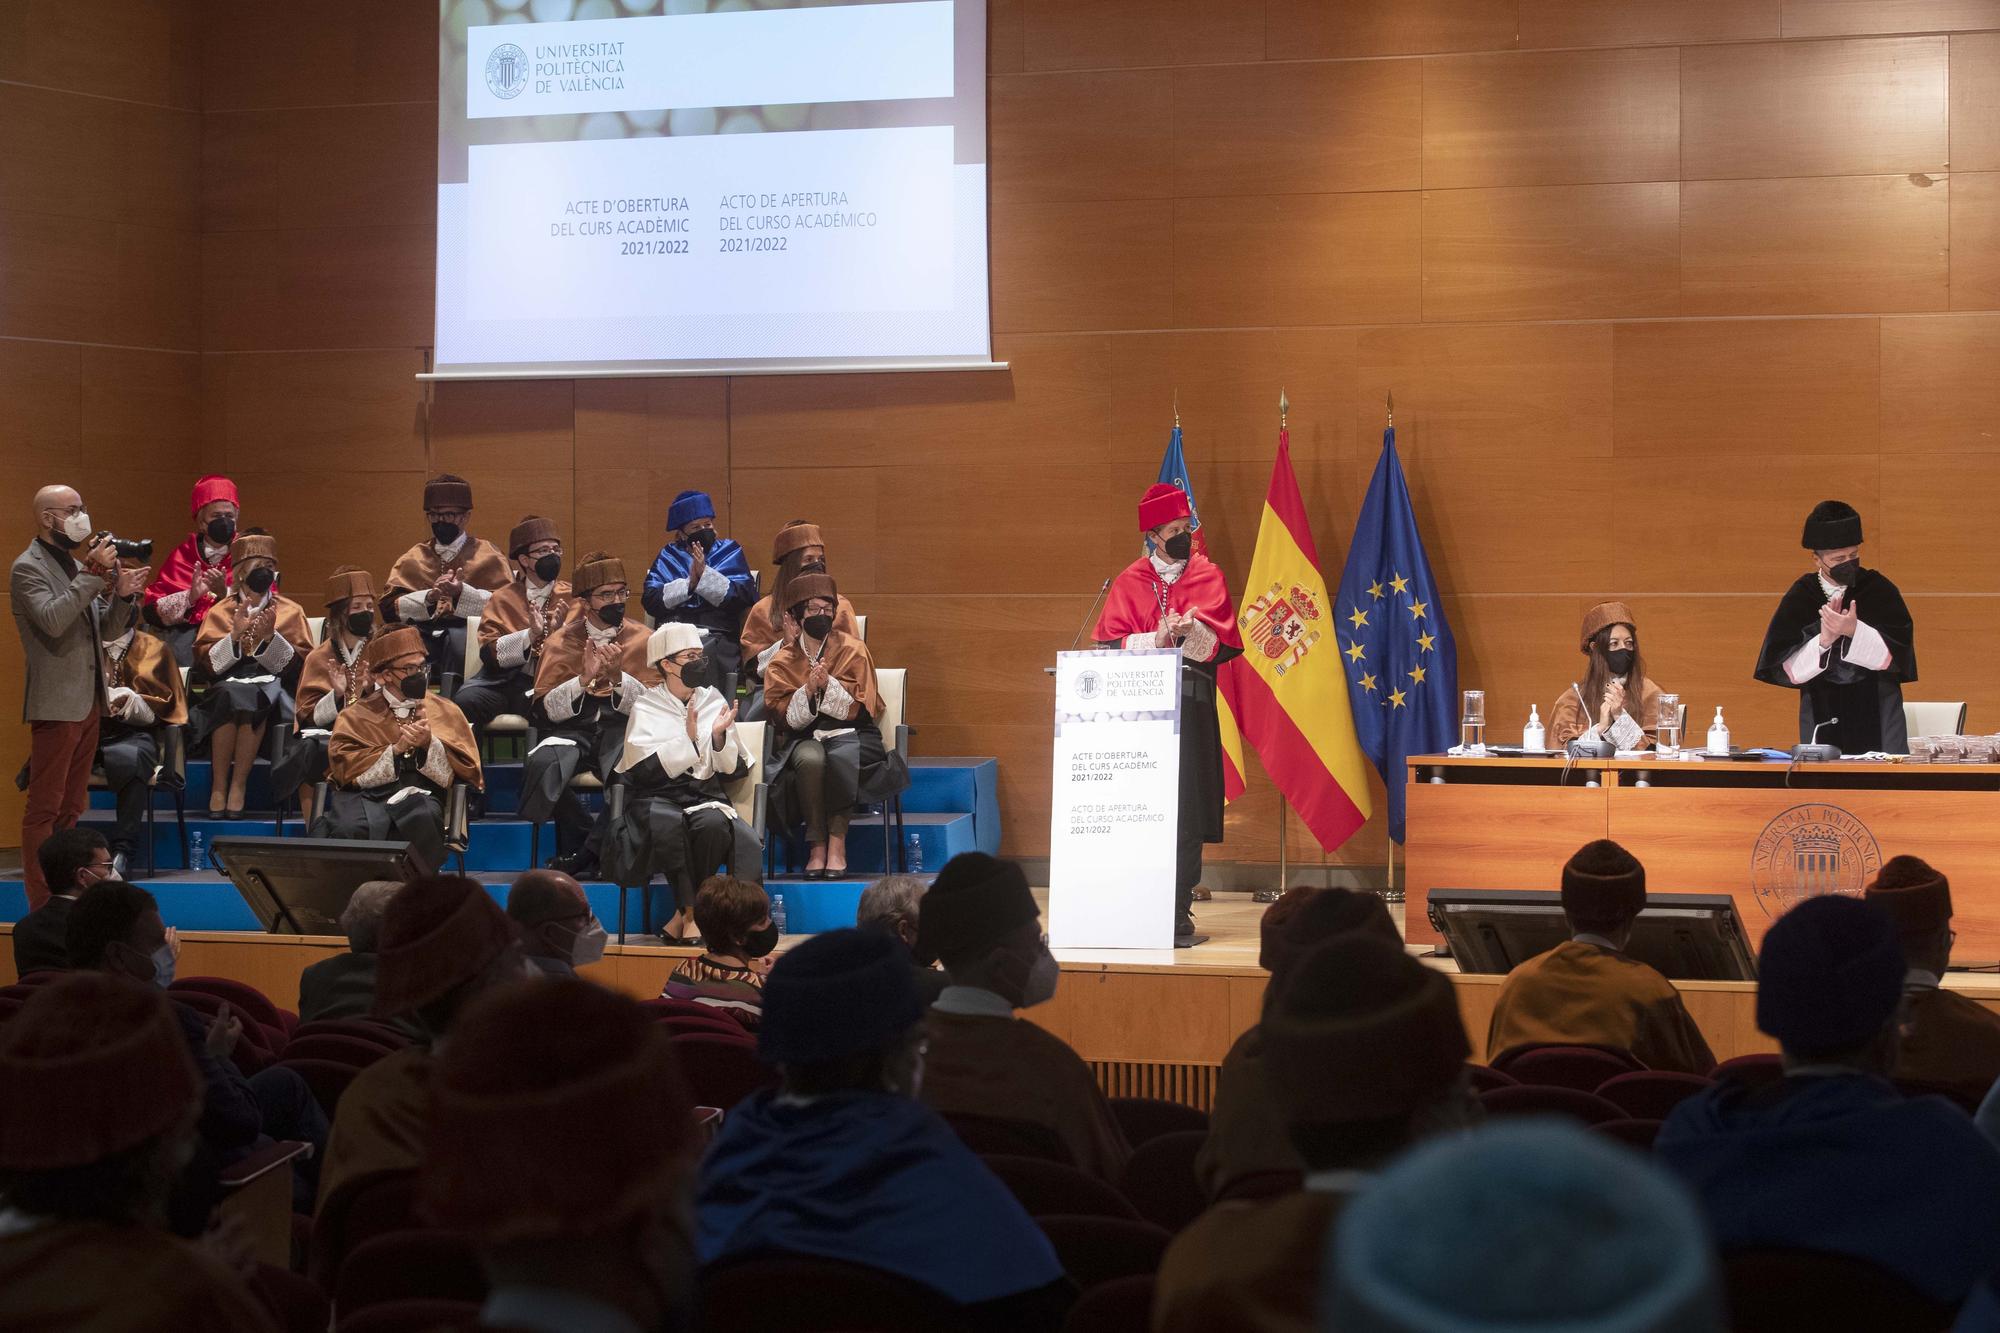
[
  {"x": 1090, "y": 616},
  {"x": 1812, "y": 752},
  {"x": 1822, "y": 727}
]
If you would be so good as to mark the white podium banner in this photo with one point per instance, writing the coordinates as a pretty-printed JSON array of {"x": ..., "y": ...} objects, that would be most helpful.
[{"x": 1116, "y": 803}]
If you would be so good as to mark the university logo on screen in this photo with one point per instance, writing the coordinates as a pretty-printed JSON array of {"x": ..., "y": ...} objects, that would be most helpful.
[
  {"x": 1810, "y": 850},
  {"x": 507, "y": 71}
]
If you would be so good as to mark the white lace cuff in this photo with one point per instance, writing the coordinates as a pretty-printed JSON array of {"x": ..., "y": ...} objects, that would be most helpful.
[
  {"x": 673, "y": 594},
  {"x": 799, "y": 711},
  {"x": 1200, "y": 643},
  {"x": 471, "y": 601},
  {"x": 837, "y": 702},
  {"x": 1868, "y": 649},
  {"x": 222, "y": 654},
  {"x": 172, "y": 609},
  {"x": 1147, "y": 640},
  {"x": 712, "y": 586},
  {"x": 764, "y": 658},
  {"x": 437, "y": 767},
  {"x": 511, "y": 650},
  {"x": 383, "y": 770},
  {"x": 277, "y": 654},
  {"x": 629, "y": 690},
  {"x": 563, "y": 701},
  {"x": 413, "y": 607},
  {"x": 1627, "y": 734},
  {"x": 327, "y": 709},
  {"x": 1807, "y": 662}
]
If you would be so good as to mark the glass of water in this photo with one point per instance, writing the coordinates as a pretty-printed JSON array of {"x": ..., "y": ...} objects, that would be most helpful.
[
  {"x": 1670, "y": 724},
  {"x": 1472, "y": 723}
]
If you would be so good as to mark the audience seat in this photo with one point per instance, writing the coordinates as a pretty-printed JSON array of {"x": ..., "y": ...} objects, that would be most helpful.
[
  {"x": 245, "y": 998},
  {"x": 986, "y": 1134},
  {"x": 1146, "y": 1118},
  {"x": 357, "y": 1051},
  {"x": 41, "y": 978},
  {"x": 296, "y": 1304},
  {"x": 1762, "y": 1068},
  {"x": 1262, "y": 1185},
  {"x": 691, "y": 1025},
  {"x": 1485, "y": 1078},
  {"x": 379, "y": 1033},
  {"x": 1123, "y": 1305},
  {"x": 1051, "y": 1188},
  {"x": 1585, "y": 1068},
  {"x": 373, "y": 1203},
  {"x": 10, "y": 1005},
  {"x": 407, "y": 1266},
  {"x": 1632, "y": 1131},
  {"x": 1095, "y": 1250},
  {"x": 258, "y": 1047},
  {"x": 721, "y": 1071},
  {"x": 411, "y": 1317},
  {"x": 1964, "y": 1100},
  {"x": 328, "y": 1079},
  {"x": 1160, "y": 1180},
  {"x": 783, "y": 1293},
  {"x": 1780, "y": 1291},
  {"x": 1650, "y": 1094},
  {"x": 1588, "y": 1107},
  {"x": 664, "y": 1007}
]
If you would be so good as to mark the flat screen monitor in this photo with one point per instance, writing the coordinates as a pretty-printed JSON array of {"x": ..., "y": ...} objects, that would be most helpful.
[
  {"x": 1683, "y": 936},
  {"x": 300, "y": 886}
]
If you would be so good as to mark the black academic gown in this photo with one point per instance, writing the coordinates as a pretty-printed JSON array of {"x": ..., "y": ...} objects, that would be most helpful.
[{"x": 1868, "y": 704}]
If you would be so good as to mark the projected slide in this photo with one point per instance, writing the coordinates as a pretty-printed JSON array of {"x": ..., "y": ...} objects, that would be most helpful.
[{"x": 651, "y": 186}]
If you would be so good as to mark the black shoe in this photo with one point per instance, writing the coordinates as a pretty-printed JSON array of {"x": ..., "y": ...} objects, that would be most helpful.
[{"x": 577, "y": 865}]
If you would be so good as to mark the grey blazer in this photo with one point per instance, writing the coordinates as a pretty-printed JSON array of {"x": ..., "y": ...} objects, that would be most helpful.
[{"x": 62, "y": 630}]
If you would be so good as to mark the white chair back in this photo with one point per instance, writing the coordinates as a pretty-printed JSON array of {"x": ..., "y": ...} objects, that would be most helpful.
[
  {"x": 743, "y": 791},
  {"x": 1934, "y": 719},
  {"x": 316, "y": 626},
  {"x": 890, "y": 683},
  {"x": 472, "y": 662},
  {"x": 861, "y": 627}
]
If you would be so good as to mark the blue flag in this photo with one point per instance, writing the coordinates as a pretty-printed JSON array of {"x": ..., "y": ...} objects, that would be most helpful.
[
  {"x": 1401, "y": 663},
  {"x": 1174, "y": 472}
]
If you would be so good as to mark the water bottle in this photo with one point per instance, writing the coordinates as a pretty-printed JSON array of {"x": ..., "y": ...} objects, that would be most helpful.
[
  {"x": 197, "y": 850},
  {"x": 1670, "y": 724},
  {"x": 913, "y": 852},
  {"x": 1533, "y": 735},
  {"x": 1718, "y": 735},
  {"x": 778, "y": 911}
]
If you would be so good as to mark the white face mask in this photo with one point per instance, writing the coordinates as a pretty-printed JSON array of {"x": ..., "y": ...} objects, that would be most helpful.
[
  {"x": 75, "y": 526},
  {"x": 1042, "y": 978},
  {"x": 587, "y": 945}
]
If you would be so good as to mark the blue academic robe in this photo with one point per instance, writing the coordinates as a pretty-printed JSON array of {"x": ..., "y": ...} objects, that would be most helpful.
[
  {"x": 725, "y": 622},
  {"x": 1843, "y": 1165},
  {"x": 867, "y": 1178}
]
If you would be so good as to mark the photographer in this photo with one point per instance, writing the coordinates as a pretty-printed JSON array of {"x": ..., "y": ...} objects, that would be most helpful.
[{"x": 56, "y": 584}]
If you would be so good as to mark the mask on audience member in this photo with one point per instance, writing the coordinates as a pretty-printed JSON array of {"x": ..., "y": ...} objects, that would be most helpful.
[
  {"x": 359, "y": 623},
  {"x": 703, "y": 537},
  {"x": 415, "y": 685},
  {"x": 163, "y": 966},
  {"x": 446, "y": 533},
  {"x": 818, "y": 625},
  {"x": 548, "y": 567},
  {"x": 73, "y": 529},
  {"x": 1845, "y": 573},
  {"x": 759, "y": 943},
  {"x": 221, "y": 530},
  {"x": 698, "y": 672},
  {"x": 260, "y": 579},
  {"x": 1042, "y": 977},
  {"x": 1179, "y": 545},
  {"x": 612, "y": 615},
  {"x": 586, "y": 946},
  {"x": 1619, "y": 660}
]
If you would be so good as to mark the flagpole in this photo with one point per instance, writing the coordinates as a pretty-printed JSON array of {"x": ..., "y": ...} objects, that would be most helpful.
[
  {"x": 1391, "y": 894},
  {"x": 1284, "y": 857}
]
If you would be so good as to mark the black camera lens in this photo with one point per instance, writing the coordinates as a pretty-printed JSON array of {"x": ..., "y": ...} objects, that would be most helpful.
[{"x": 129, "y": 549}]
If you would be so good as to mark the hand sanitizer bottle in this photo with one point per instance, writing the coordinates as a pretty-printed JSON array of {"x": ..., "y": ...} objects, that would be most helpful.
[
  {"x": 1532, "y": 735},
  {"x": 1718, "y": 735}
]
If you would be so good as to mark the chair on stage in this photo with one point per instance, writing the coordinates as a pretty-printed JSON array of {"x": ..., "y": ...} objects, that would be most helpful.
[
  {"x": 1565, "y": 1065},
  {"x": 1160, "y": 1181},
  {"x": 1588, "y": 1107},
  {"x": 1651, "y": 1093},
  {"x": 520, "y": 730},
  {"x": 1048, "y": 1188},
  {"x": 788, "y": 1293},
  {"x": 1934, "y": 719},
  {"x": 170, "y": 776}
]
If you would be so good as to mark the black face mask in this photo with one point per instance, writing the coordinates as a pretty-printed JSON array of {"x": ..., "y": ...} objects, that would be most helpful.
[
  {"x": 360, "y": 622},
  {"x": 612, "y": 615},
  {"x": 221, "y": 530},
  {"x": 1845, "y": 573},
  {"x": 697, "y": 673},
  {"x": 415, "y": 685},
  {"x": 1619, "y": 660},
  {"x": 548, "y": 567},
  {"x": 702, "y": 537},
  {"x": 260, "y": 579},
  {"x": 819, "y": 625},
  {"x": 1179, "y": 545},
  {"x": 446, "y": 533},
  {"x": 759, "y": 943}
]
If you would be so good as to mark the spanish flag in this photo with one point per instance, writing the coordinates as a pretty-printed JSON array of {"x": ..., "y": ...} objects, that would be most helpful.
[{"x": 1287, "y": 694}]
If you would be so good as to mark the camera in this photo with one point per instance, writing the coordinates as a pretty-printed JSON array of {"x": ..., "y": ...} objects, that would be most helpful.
[{"x": 140, "y": 548}]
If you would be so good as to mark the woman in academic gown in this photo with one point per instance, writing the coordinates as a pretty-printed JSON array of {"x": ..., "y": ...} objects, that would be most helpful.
[
  {"x": 333, "y": 678},
  {"x": 827, "y": 753},
  {"x": 195, "y": 574},
  {"x": 1605, "y": 707},
  {"x": 798, "y": 549},
  {"x": 248, "y": 654}
]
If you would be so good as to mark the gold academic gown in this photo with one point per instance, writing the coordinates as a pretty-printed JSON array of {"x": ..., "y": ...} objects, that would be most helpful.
[
  {"x": 508, "y": 612},
  {"x": 1567, "y": 720},
  {"x": 112, "y": 1278},
  {"x": 846, "y": 659},
  {"x": 148, "y": 670},
  {"x": 1247, "y": 1266},
  {"x": 1246, "y": 1133},
  {"x": 1949, "y": 1040},
  {"x": 480, "y": 565},
  {"x": 1009, "y": 1069},
  {"x": 383, "y": 1118},
  {"x": 288, "y": 622},
  {"x": 1580, "y": 994},
  {"x": 764, "y": 621},
  {"x": 562, "y": 658},
  {"x": 363, "y": 731},
  {"x": 324, "y": 675}
]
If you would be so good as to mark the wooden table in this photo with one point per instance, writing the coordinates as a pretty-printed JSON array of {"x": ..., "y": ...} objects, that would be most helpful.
[{"x": 1767, "y": 833}]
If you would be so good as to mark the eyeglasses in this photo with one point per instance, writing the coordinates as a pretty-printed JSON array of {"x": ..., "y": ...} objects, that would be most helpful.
[
  {"x": 446, "y": 515},
  {"x": 540, "y": 549}
]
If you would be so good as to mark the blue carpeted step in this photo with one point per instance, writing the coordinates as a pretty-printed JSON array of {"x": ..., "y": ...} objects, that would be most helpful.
[
  {"x": 938, "y": 838},
  {"x": 942, "y": 784}
]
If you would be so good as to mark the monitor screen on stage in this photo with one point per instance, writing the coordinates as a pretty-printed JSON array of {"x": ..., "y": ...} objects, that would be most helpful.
[
  {"x": 1682, "y": 936},
  {"x": 697, "y": 186}
]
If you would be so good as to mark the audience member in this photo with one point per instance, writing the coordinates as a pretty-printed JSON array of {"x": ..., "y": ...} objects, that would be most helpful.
[
  {"x": 1524, "y": 1225},
  {"x": 248, "y": 654},
  {"x": 518, "y": 619},
  {"x": 438, "y": 583},
  {"x": 116, "y": 928},
  {"x": 98, "y": 1122},
  {"x": 734, "y": 918},
  {"x": 343, "y": 986},
  {"x": 575, "y": 1090},
  {"x": 56, "y": 586},
  {"x": 195, "y": 574},
  {"x": 335, "y": 675},
  {"x": 1948, "y": 1042},
  {"x": 1831, "y": 1157},
  {"x": 680, "y": 748},
  {"x": 892, "y": 906},
  {"x": 444, "y": 943},
  {"x": 559, "y": 933},
  {"x": 144, "y": 696},
  {"x": 71, "y": 860},
  {"x": 843, "y": 1163},
  {"x": 700, "y": 578},
  {"x": 982, "y": 921},
  {"x": 1247, "y": 1137},
  {"x": 1590, "y": 992},
  {"x": 1366, "y": 1055}
]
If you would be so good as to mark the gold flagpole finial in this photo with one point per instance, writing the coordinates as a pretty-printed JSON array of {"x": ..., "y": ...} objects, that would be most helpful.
[
  {"x": 1284, "y": 409},
  {"x": 1389, "y": 405},
  {"x": 1177, "y": 407}
]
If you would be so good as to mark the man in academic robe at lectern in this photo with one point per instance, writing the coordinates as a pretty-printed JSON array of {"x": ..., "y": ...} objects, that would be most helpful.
[
  {"x": 1843, "y": 639},
  {"x": 1176, "y": 597}
]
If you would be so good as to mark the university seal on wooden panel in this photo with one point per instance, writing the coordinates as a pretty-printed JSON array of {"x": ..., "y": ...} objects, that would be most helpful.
[{"x": 1811, "y": 850}]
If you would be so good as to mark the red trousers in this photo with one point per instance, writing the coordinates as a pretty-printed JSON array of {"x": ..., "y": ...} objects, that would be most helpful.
[{"x": 59, "y": 759}]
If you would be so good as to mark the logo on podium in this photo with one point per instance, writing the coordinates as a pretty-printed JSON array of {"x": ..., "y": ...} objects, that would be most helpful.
[{"x": 1810, "y": 850}]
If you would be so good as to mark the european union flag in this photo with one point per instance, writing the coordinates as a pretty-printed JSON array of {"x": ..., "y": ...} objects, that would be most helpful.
[
  {"x": 1401, "y": 663},
  {"x": 1174, "y": 472}
]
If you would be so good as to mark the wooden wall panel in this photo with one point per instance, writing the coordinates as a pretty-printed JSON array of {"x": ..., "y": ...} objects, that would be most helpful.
[
  {"x": 1818, "y": 246},
  {"x": 1298, "y": 128},
  {"x": 1557, "y": 118},
  {"x": 363, "y": 411},
  {"x": 1833, "y": 18},
  {"x": 1975, "y": 241},
  {"x": 1296, "y": 259},
  {"x": 343, "y": 166},
  {"x": 357, "y": 53},
  {"x": 1815, "y": 108},
  {"x": 1975, "y": 101},
  {"x": 141, "y": 405},
  {"x": 1644, "y": 22},
  {"x": 1939, "y": 390},
  {"x": 128, "y": 50},
  {"x": 95, "y": 158},
  {"x": 1082, "y": 266},
  {"x": 1065, "y": 137},
  {"x": 1091, "y": 34},
  {"x": 1560, "y": 252},
  {"x": 1923, "y": 549},
  {"x": 350, "y": 287},
  {"x": 1539, "y": 396},
  {"x": 1314, "y": 29},
  {"x": 41, "y": 405}
]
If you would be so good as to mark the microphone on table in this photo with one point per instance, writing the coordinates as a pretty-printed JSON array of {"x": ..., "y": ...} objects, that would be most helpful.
[
  {"x": 1090, "y": 616},
  {"x": 1812, "y": 752}
]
